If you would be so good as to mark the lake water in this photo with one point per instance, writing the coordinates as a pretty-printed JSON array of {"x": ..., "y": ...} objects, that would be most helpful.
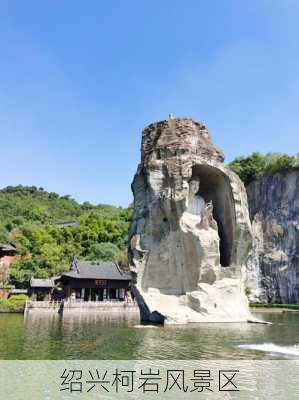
[{"x": 114, "y": 336}]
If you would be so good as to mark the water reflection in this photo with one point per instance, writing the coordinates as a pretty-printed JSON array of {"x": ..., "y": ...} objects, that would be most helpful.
[{"x": 120, "y": 336}]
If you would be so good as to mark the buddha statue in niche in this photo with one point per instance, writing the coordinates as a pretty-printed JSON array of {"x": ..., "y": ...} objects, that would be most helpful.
[
  {"x": 196, "y": 203},
  {"x": 200, "y": 211},
  {"x": 198, "y": 220}
]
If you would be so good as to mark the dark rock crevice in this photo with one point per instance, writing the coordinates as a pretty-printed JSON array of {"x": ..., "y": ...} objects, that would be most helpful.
[{"x": 215, "y": 187}]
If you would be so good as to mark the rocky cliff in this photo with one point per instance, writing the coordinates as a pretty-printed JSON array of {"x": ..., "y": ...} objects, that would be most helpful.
[
  {"x": 273, "y": 268},
  {"x": 190, "y": 234}
]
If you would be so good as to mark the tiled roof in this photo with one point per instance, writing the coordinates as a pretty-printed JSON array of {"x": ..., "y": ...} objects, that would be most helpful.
[
  {"x": 18, "y": 291},
  {"x": 7, "y": 247},
  {"x": 102, "y": 270},
  {"x": 66, "y": 224},
  {"x": 45, "y": 283}
]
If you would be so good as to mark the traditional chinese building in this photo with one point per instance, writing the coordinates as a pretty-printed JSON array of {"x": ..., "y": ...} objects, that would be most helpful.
[
  {"x": 42, "y": 289},
  {"x": 7, "y": 250},
  {"x": 7, "y": 254},
  {"x": 88, "y": 281}
]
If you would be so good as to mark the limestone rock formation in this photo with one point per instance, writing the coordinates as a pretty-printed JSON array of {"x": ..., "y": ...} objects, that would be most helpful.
[
  {"x": 273, "y": 267},
  {"x": 190, "y": 234}
]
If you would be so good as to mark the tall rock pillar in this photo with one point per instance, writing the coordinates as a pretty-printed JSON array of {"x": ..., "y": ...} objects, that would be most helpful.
[{"x": 190, "y": 234}]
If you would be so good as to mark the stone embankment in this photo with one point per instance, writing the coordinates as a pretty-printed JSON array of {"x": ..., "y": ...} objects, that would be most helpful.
[{"x": 77, "y": 307}]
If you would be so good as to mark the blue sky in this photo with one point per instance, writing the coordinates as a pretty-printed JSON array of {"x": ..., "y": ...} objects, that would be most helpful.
[{"x": 80, "y": 79}]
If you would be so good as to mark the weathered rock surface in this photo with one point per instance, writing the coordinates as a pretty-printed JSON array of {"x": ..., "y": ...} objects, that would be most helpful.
[
  {"x": 273, "y": 267},
  {"x": 190, "y": 234}
]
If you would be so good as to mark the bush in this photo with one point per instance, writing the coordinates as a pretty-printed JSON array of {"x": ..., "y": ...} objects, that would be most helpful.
[{"x": 15, "y": 303}]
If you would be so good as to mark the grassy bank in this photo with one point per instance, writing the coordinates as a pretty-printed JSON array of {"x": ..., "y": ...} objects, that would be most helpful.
[{"x": 277, "y": 306}]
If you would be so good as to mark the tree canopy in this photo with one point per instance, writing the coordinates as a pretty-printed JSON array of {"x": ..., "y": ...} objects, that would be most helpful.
[
  {"x": 32, "y": 217},
  {"x": 255, "y": 165}
]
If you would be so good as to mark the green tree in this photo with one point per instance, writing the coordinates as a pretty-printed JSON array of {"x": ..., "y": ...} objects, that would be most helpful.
[
  {"x": 249, "y": 168},
  {"x": 255, "y": 165},
  {"x": 103, "y": 252}
]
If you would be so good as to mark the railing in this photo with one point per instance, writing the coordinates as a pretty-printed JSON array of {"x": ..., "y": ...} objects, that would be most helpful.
[
  {"x": 31, "y": 304},
  {"x": 73, "y": 304},
  {"x": 96, "y": 304}
]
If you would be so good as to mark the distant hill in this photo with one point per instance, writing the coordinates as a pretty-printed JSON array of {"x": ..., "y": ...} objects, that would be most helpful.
[{"x": 49, "y": 230}]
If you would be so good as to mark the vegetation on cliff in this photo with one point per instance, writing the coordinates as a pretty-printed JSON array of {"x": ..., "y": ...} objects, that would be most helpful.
[
  {"x": 32, "y": 217},
  {"x": 256, "y": 165}
]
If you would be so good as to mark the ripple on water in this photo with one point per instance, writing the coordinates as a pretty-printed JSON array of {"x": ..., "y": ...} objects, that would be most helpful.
[
  {"x": 273, "y": 348},
  {"x": 115, "y": 337}
]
